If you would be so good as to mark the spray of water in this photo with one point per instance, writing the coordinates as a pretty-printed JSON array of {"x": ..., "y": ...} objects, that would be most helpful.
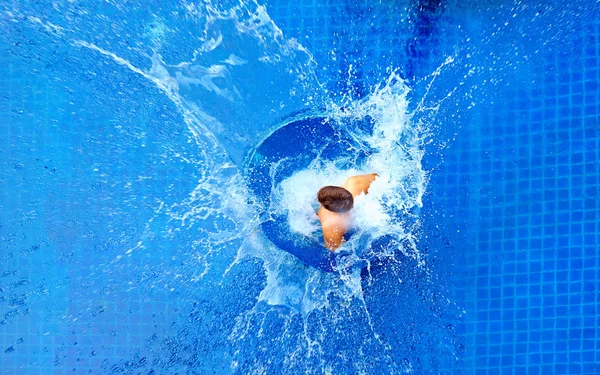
[
  {"x": 390, "y": 211},
  {"x": 294, "y": 294}
]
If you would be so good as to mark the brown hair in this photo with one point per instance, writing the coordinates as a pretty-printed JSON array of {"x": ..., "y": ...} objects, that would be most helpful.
[{"x": 335, "y": 198}]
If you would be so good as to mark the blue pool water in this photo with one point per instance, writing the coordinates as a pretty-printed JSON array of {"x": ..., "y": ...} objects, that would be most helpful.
[{"x": 131, "y": 237}]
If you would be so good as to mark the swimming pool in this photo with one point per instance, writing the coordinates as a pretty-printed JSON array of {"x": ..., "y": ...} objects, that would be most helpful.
[{"x": 132, "y": 244}]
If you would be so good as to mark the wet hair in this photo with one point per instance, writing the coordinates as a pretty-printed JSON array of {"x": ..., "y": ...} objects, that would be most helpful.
[{"x": 335, "y": 199}]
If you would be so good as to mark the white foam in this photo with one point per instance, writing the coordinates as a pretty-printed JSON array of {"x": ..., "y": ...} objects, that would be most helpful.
[
  {"x": 368, "y": 209},
  {"x": 285, "y": 84},
  {"x": 296, "y": 197},
  {"x": 391, "y": 206}
]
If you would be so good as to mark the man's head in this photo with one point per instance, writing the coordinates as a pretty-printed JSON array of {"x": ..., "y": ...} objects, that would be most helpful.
[{"x": 335, "y": 199}]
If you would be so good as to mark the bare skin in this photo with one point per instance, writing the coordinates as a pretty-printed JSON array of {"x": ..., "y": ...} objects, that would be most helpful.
[{"x": 336, "y": 225}]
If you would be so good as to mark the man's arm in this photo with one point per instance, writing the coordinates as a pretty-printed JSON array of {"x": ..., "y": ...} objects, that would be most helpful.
[{"x": 360, "y": 184}]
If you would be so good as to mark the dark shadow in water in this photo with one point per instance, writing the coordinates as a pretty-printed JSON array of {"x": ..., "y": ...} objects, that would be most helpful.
[
  {"x": 418, "y": 49},
  {"x": 290, "y": 149}
]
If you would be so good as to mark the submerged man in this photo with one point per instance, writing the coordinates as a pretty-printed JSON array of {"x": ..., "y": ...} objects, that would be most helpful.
[{"x": 336, "y": 203}]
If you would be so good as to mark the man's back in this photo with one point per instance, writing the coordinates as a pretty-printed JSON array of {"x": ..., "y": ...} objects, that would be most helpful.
[{"x": 336, "y": 224}]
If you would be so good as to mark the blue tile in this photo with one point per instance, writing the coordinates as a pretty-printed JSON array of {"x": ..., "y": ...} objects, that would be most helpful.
[{"x": 532, "y": 168}]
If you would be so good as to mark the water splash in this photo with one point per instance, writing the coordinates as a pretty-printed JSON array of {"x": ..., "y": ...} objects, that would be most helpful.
[
  {"x": 390, "y": 210},
  {"x": 228, "y": 110}
]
